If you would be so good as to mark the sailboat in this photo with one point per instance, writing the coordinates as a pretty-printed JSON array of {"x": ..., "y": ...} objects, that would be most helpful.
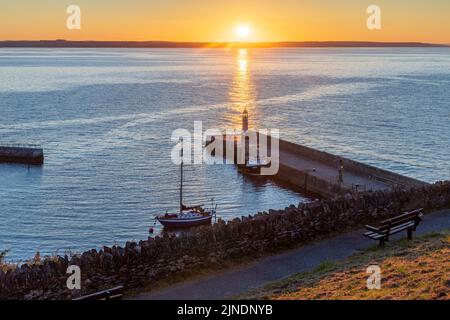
[{"x": 188, "y": 216}]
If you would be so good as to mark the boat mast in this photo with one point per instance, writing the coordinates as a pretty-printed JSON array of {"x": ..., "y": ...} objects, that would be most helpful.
[{"x": 181, "y": 177}]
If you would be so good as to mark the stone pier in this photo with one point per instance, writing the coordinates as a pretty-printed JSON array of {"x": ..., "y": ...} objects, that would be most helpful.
[{"x": 321, "y": 173}]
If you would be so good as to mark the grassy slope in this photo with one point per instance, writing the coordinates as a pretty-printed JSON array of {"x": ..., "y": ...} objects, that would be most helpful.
[{"x": 418, "y": 269}]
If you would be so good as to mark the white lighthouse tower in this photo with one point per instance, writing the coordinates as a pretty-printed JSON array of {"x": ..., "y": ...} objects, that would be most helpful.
[{"x": 246, "y": 138}]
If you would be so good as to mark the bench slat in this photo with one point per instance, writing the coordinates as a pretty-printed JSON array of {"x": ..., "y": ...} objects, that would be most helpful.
[
  {"x": 373, "y": 229},
  {"x": 407, "y": 221},
  {"x": 401, "y": 228},
  {"x": 374, "y": 236},
  {"x": 399, "y": 223}
]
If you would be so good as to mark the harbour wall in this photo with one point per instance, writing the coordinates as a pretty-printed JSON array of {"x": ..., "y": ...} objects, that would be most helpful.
[
  {"x": 30, "y": 155},
  {"x": 144, "y": 263}
]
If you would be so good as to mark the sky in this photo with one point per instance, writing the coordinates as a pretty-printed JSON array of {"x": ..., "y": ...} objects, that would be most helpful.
[{"x": 217, "y": 20}]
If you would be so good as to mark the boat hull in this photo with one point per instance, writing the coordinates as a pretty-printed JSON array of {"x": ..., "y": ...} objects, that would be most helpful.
[{"x": 184, "y": 223}]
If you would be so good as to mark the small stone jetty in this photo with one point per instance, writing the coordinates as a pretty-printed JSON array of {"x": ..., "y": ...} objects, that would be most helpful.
[
  {"x": 24, "y": 154},
  {"x": 144, "y": 263}
]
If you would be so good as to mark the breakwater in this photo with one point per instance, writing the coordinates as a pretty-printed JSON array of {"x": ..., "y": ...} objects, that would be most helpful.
[
  {"x": 143, "y": 263},
  {"x": 27, "y": 154},
  {"x": 317, "y": 171}
]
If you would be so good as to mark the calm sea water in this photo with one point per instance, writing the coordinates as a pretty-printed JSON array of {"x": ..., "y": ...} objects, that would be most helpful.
[{"x": 105, "y": 118}]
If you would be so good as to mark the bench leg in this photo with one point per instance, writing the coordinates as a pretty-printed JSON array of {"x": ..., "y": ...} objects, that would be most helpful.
[
  {"x": 381, "y": 242},
  {"x": 410, "y": 232}
]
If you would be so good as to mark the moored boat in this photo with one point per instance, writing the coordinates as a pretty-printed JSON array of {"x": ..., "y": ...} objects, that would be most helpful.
[
  {"x": 253, "y": 168},
  {"x": 188, "y": 217}
]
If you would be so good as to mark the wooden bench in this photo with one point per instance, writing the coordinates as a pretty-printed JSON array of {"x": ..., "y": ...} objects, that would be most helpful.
[
  {"x": 407, "y": 221},
  {"x": 110, "y": 294}
]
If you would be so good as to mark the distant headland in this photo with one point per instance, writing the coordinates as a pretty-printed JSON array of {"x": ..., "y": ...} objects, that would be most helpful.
[{"x": 168, "y": 44}]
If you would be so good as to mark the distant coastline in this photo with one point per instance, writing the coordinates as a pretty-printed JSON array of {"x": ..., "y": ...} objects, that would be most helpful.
[{"x": 168, "y": 44}]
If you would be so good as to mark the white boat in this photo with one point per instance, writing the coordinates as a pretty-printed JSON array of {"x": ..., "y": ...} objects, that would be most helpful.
[
  {"x": 188, "y": 217},
  {"x": 253, "y": 166}
]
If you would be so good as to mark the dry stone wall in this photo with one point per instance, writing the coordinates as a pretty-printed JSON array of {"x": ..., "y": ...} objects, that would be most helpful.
[{"x": 146, "y": 262}]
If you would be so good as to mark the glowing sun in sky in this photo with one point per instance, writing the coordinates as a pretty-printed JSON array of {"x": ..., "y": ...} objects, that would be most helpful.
[{"x": 242, "y": 31}]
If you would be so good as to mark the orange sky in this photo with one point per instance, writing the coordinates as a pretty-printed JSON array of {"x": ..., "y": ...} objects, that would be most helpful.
[{"x": 215, "y": 20}]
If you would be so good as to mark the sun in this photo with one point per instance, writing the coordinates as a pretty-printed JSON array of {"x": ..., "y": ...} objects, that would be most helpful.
[{"x": 242, "y": 31}]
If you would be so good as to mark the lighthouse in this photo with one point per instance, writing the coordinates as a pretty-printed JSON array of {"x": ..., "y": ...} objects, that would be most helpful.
[{"x": 244, "y": 121}]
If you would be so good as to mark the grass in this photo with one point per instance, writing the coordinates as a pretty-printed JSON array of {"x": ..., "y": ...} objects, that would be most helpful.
[
  {"x": 190, "y": 275},
  {"x": 410, "y": 270}
]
